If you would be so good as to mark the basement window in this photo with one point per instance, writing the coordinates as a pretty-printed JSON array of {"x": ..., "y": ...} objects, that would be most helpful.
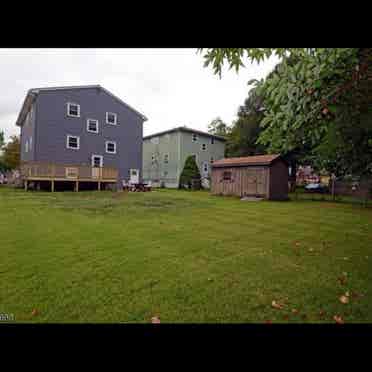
[
  {"x": 226, "y": 175},
  {"x": 73, "y": 109}
]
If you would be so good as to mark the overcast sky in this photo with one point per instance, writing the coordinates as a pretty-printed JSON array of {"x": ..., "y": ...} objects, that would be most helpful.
[{"x": 169, "y": 86}]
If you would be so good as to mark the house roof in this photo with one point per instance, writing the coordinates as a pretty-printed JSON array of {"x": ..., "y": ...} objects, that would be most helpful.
[
  {"x": 185, "y": 129},
  {"x": 247, "y": 160},
  {"x": 33, "y": 92}
]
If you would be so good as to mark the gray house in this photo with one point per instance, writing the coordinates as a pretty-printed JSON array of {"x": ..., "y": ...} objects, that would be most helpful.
[
  {"x": 165, "y": 153},
  {"x": 80, "y": 134}
]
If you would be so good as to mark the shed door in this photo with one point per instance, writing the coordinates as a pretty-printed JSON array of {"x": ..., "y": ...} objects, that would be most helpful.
[
  {"x": 253, "y": 182},
  {"x": 261, "y": 181}
]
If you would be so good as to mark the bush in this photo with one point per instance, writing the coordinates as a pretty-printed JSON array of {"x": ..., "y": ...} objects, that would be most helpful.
[{"x": 190, "y": 176}]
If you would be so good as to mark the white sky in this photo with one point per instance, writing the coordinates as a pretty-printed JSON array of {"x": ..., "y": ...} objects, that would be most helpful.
[{"x": 169, "y": 86}]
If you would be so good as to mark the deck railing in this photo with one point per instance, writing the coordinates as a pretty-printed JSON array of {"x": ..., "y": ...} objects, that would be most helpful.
[{"x": 73, "y": 172}]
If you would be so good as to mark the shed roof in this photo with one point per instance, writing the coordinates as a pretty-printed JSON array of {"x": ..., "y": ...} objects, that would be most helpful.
[{"x": 247, "y": 160}]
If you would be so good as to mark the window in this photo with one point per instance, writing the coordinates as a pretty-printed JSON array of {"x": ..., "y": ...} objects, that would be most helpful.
[
  {"x": 111, "y": 118},
  {"x": 111, "y": 147},
  {"x": 167, "y": 137},
  {"x": 165, "y": 173},
  {"x": 194, "y": 138},
  {"x": 26, "y": 146},
  {"x": 73, "y": 142},
  {"x": 97, "y": 161},
  {"x": 166, "y": 158},
  {"x": 204, "y": 147},
  {"x": 205, "y": 167},
  {"x": 92, "y": 125},
  {"x": 227, "y": 176},
  {"x": 73, "y": 109},
  {"x": 212, "y": 140},
  {"x": 212, "y": 160},
  {"x": 153, "y": 159}
]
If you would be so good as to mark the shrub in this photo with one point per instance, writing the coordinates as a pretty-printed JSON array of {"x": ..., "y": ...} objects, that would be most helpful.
[{"x": 190, "y": 176}]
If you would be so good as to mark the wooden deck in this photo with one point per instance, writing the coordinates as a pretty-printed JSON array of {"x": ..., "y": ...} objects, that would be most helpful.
[{"x": 37, "y": 171}]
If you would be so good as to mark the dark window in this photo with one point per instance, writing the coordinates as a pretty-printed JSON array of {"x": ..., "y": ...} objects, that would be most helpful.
[
  {"x": 73, "y": 109},
  {"x": 212, "y": 140},
  {"x": 111, "y": 147},
  {"x": 72, "y": 142},
  {"x": 166, "y": 159},
  {"x": 227, "y": 176},
  {"x": 204, "y": 146},
  {"x": 194, "y": 137},
  {"x": 111, "y": 118}
]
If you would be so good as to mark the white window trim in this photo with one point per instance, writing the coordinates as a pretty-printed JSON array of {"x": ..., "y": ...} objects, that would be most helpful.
[
  {"x": 116, "y": 118},
  {"x": 97, "y": 156},
  {"x": 92, "y": 131},
  {"x": 68, "y": 109},
  {"x": 67, "y": 142},
  {"x": 206, "y": 147},
  {"x": 110, "y": 152}
]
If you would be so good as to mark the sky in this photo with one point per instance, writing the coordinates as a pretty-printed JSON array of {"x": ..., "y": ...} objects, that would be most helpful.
[{"x": 169, "y": 86}]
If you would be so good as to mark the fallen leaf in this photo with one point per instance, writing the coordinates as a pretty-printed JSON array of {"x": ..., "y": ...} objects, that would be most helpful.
[
  {"x": 294, "y": 311},
  {"x": 276, "y": 305},
  {"x": 338, "y": 319},
  {"x": 311, "y": 249},
  {"x": 344, "y": 299},
  {"x": 34, "y": 312},
  {"x": 347, "y": 294},
  {"x": 321, "y": 313},
  {"x": 155, "y": 319}
]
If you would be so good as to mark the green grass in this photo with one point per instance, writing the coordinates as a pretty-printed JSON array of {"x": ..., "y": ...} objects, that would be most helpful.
[{"x": 182, "y": 256}]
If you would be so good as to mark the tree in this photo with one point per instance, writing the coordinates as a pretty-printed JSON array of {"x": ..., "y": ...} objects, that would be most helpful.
[
  {"x": 313, "y": 98},
  {"x": 1, "y": 139},
  {"x": 11, "y": 153},
  {"x": 190, "y": 175},
  {"x": 218, "y": 128}
]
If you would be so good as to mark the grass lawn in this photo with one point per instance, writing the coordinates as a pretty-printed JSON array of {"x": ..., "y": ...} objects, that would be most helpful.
[{"x": 182, "y": 256}]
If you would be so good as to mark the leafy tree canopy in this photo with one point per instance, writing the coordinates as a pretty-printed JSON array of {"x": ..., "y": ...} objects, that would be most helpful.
[
  {"x": 11, "y": 153},
  {"x": 313, "y": 99}
]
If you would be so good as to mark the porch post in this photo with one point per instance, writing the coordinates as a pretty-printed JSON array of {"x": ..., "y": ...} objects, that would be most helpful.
[
  {"x": 26, "y": 185},
  {"x": 77, "y": 186},
  {"x": 52, "y": 185},
  {"x": 99, "y": 186}
]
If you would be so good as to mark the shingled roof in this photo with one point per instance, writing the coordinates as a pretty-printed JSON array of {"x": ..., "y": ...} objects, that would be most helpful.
[{"x": 247, "y": 160}]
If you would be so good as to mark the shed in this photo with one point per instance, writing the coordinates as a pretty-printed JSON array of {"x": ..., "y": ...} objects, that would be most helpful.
[{"x": 260, "y": 175}]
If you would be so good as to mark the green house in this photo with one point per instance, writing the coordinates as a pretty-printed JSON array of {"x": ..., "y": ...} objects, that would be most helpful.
[{"x": 165, "y": 153}]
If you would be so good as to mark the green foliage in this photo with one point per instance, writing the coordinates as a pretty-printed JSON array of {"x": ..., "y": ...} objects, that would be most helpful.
[
  {"x": 313, "y": 103},
  {"x": 190, "y": 176},
  {"x": 218, "y": 127},
  {"x": 1, "y": 139},
  {"x": 11, "y": 153}
]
